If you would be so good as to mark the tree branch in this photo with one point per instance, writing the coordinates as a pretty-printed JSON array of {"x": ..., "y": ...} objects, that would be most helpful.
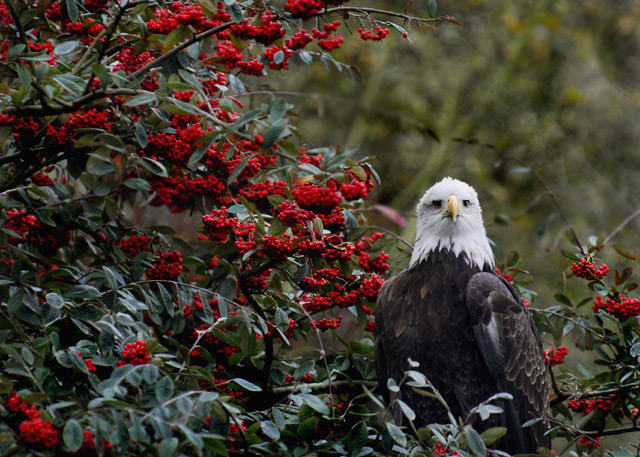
[{"x": 324, "y": 386}]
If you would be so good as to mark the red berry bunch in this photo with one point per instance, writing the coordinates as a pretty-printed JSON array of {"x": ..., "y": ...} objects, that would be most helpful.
[
  {"x": 95, "y": 6},
  {"x": 88, "y": 447},
  {"x": 311, "y": 284},
  {"x": 251, "y": 67},
  {"x": 38, "y": 433},
  {"x": 219, "y": 225},
  {"x": 584, "y": 268},
  {"x": 278, "y": 57},
  {"x": 589, "y": 442},
  {"x": 93, "y": 118},
  {"x": 379, "y": 34},
  {"x": 166, "y": 266},
  {"x": 370, "y": 287},
  {"x": 277, "y": 248},
  {"x": 326, "y": 324},
  {"x": 316, "y": 198},
  {"x": 34, "y": 431},
  {"x": 621, "y": 308},
  {"x": 299, "y": 40},
  {"x": 89, "y": 363},
  {"x": 134, "y": 245},
  {"x": 326, "y": 40},
  {"x": 552, "y": 357},
  {"x": 291, "y": 215},
  {"x": 443, "y": 450},
  {"x": 266, "y": 33},
  {"x": 23, "y": 128},
  {"x": 505, "y": 275},
  {"x": 582, "y": 406},
  {"x": 304, "y": 9},
  {"x": 19, "y": 222},
  {"x": 86, "y": 31},
  {"x": 136, "y": 353},
  {"x": 316, "y": 303}
]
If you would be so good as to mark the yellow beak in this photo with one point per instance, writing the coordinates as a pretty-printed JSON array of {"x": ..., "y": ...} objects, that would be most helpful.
[{"x": 452, "y": 206}]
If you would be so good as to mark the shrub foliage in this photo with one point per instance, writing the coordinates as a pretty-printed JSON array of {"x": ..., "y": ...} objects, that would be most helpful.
[{"x": 249, "y": 333}]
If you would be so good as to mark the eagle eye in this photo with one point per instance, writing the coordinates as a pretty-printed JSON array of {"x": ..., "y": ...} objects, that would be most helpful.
[
  {"x": 466, "y": 203},
  {"x": 436, "y": 204}
]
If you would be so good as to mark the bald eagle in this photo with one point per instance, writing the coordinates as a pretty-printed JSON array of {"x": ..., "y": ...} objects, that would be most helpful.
[{"x": 464, "y": 324}]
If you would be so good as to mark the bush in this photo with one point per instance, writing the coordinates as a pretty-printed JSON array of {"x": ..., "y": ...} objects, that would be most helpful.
[{"x": 122, "y": 335}]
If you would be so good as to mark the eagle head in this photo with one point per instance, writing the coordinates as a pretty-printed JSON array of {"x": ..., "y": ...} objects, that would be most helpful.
[{"x": 450, "y": 218}]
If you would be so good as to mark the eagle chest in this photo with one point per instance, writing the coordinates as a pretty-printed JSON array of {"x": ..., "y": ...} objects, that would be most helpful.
[{"x": 435, "y": 317}]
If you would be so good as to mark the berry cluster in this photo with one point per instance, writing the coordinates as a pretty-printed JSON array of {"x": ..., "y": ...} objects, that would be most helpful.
[
  {"x": 38, "y": 433},
  {"x": 89, "y": 363},
  {"x": 277, "y": 248},
  {"x": 379, "y": 34},
  {"x": 298, "y": 40},
  {"x": 326, "y": 324},
  {"x": 90, "y": 119},
  {"x": 316, "y": 198},
  {"x": 619, "y": 307},
  {"x": 34, "y": 432},
  {"x": 219, "y": 225},
  {"x": 326, "y": 39},
  {"x": 166, "y": 266},
  {"x": 505, "y": 275},
  {"x": 589, "y": 442},
  {"x": 23, "y": 128},
  {"x": 584, "y": 268},
  {"x": 552, "y": 357},
  {"x": 134, "y": 245},
  {"x": 266, "y": 33},
  {"x": 136, "y": 353},
  {"x": 582, "y": 406},
  {"x": 88, "y": 447}
]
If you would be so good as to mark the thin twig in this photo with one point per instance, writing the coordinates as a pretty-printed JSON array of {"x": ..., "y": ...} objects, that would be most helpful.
[{"x": 620, "y": 226}]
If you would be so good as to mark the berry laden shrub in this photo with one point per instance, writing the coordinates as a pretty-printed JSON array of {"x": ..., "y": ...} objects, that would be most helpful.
[{"x": 252, "y": 334}]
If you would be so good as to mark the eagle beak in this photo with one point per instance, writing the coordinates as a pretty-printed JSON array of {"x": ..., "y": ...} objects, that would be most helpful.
[{"x": 452, "y": 206}]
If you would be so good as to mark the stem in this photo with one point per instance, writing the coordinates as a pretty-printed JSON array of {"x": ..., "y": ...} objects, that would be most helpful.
[
  {"x": 325, "y": 386},
  {"x": 619, "y": 228}
]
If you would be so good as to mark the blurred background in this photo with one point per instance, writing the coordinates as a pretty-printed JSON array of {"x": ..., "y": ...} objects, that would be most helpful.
[{"x": 548, "y": 84}]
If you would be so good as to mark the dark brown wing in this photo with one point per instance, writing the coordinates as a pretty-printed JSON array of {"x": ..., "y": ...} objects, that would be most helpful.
[{"x": 510, "y": 346}]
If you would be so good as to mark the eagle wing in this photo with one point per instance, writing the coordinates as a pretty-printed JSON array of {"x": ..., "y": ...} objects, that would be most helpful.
[{"x": 510, "y": 346}]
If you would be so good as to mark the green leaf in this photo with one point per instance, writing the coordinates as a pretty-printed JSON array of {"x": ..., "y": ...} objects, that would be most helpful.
[
  {"x": 154, "y": 167},
  {"x": 112, "y": 142},
  {"x": 235, "y": 10},
  {"x": 475, "y": 442},
  {"x": 82, "y": 291},
  {"x": 65, "y": 47},
  {"x": 24, "y": 75},
  {"x": 72, "y": 435},
  {"x": 272, "y": 134},
  {"x": 406, "y": 410},
  {"x": 70, "y": 83},
  {"x": 239, "y": 168},
  {"x": 141, "y": 135},
  {"x": 86, "y": 312},
  {"x": 164, "y": 389},
  {"x": 247, "y": 385},
  {"x": 270, "y": 429},
  {"x": 397, "y": 434},
  {"x": 304, "y": 368},
  {"x": 167, "y": 447},
  {"x": 491, "y": 435},
  {"x": 432, "y": 6},
  {"x": 72, "y": 10},
  {"x": 278, "y": 109},
  {"x": 635, "y": 350},
  {"x": 137, "y": 184},
  {"x": 142, "y": 99},
  {"x": 100, "y": 168},
  {"x": 229, "y": 288}
]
